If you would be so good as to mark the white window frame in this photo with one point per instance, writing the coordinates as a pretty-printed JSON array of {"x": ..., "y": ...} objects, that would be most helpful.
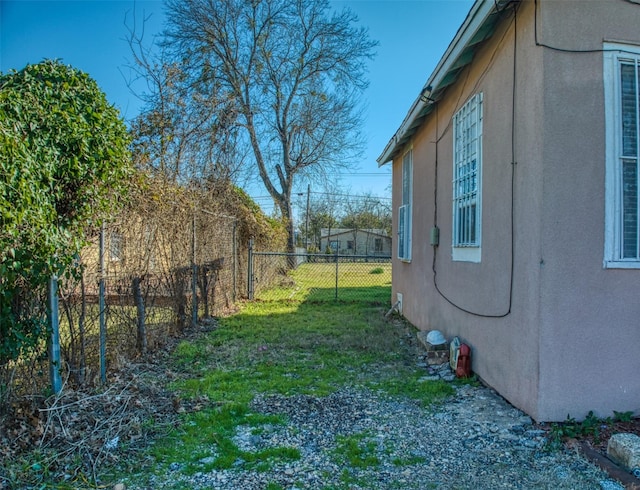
[
  {"x": 404, "y": 211},
  {"x": 615, "y": 55},
  {"x": 466, "y": 243}
]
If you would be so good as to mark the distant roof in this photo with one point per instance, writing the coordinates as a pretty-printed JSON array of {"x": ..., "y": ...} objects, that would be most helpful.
[
  {"x": 478, "y": 26},
  {"x": 324, "y": 232}
]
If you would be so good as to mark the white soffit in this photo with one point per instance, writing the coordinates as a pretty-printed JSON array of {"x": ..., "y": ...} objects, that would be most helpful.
[{"x": 478, "y": 26}]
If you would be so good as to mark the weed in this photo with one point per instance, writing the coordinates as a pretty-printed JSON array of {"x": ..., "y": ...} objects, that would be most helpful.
[
  {"x": 274, "y": 486},
  {"x": 351, "y": 480},
  {"x": 408, "y": 461},
  {"x": 570, "y": 429},
  {"x": 409, "y": 385},
  {"x": 357, "y": 450},
  {"x": 377, "y": 270},
  {"x": 622, "y": 416},
  {"x": 470, "y": 381}
]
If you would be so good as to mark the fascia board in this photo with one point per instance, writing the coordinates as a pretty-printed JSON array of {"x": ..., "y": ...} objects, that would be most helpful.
[{"x": 477, "y": 16}]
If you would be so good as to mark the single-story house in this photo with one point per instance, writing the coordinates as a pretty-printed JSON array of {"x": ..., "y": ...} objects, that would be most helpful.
[
  {"x": 354, "y": 241},
  {"x": 516, "y": 204}
]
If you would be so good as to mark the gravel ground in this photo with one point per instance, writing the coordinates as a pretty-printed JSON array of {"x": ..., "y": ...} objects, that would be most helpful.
[{"x": 475, "y": 440}]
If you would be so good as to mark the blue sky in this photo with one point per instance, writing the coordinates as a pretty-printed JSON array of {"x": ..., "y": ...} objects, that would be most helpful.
[{"x": 90, "y": 35}]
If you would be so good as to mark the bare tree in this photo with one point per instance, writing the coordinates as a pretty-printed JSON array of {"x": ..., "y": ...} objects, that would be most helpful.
[
  {"x": 295, "y": 71},
  {"x": 367, "y": 211},
  {"x": 186, "y": 130}
]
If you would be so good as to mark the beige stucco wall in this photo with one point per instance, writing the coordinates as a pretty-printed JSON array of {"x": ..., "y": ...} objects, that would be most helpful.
[
  {"x": 572, "y": 325},
  {"x": 590, "y": 316}
]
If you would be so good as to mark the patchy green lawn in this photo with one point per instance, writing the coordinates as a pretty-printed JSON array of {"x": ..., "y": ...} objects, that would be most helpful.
[
  {"x": 287, "y": 346},
  {"x": 182, "y": 415},
  {"x": 369, "y": 282}
]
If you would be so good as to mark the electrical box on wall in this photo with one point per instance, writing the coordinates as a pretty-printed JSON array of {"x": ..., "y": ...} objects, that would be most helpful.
[{"x": 435, "y": 236}]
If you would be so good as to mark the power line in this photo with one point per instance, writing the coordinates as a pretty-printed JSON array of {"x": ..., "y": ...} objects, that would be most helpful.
[
  {"x": 333, "y": 194},
  {"x": 365, "y": 174}
]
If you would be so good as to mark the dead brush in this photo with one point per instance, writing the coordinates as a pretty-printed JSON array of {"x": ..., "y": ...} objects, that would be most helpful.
[{"x": 75, "y": 435}]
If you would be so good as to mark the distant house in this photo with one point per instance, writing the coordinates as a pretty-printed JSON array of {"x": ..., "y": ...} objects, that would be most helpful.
[
  {"x": 516, "y": 203},
  {"x": 352, "y": 241}
]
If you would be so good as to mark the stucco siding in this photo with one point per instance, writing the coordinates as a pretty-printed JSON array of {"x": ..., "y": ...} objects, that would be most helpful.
[
  {"x": 589, "y": 315},
  {"x": 505, "y": 350},
  {"x": 568, "y": 343}
]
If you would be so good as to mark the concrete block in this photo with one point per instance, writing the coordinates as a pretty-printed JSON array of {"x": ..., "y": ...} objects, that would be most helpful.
[
  {"x": 624, "y": 449},
  {"x": 435, "y": 357}
]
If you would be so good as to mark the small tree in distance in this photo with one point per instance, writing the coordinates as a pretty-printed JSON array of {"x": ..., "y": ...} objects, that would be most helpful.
[
  {"x": 64, "y": 166},
  {"x": 365, "y": 214}
]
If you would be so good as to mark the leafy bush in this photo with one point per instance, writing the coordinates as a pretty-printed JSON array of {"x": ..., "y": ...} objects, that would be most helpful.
[{"x": 64, "y": 166}]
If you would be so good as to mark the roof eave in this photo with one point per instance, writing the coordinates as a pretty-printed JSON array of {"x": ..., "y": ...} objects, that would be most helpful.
[{"x": 466, "y": 36}]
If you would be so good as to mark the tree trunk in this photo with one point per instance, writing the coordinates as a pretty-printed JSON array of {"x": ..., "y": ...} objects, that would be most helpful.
[
  {"x": 178, "y": 281},
  {"x": 287, "y": 216}
]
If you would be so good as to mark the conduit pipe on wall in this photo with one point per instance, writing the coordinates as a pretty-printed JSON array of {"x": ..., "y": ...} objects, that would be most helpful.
[{"x": 393, "y": 308}]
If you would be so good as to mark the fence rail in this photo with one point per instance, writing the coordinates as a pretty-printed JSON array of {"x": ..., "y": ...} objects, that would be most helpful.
[{"x": 318, "y": 277}]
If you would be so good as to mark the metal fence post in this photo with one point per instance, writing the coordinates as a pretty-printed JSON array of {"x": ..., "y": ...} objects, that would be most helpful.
[
  {"x": 235, "y": 259},
  {"x": 54, "y": 340},
  {"x": 194, "y": 275},
  {"x": 250, "y": 291},
  {"x": 101, "y": 307},
  {"x": 336, "y": 274}
]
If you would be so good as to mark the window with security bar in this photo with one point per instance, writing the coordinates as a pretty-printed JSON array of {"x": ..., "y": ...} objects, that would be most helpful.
[
  {"x": 629, "y": 158},
  {"x": 404, "y": 211},
  {"x": 622, "y": 99},
  {"x": 467, "y": 168}
]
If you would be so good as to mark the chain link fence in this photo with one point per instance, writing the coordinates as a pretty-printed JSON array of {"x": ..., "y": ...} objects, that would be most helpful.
[
  {"x": 142, "y": 282},
  {"x": 319, "y": 277},
  {"x": 161, "y": 267}
]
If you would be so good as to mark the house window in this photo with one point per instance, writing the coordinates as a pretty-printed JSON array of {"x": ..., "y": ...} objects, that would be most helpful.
[
  {"x": 115, "y": 246},
  {"x": 349, "y": 244},
  {"x": 404, "y": 212},
  {"x": 377, "y": 245},
  {"x": 467, "y": 169},
  {"x": 622, "y": 103}
]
